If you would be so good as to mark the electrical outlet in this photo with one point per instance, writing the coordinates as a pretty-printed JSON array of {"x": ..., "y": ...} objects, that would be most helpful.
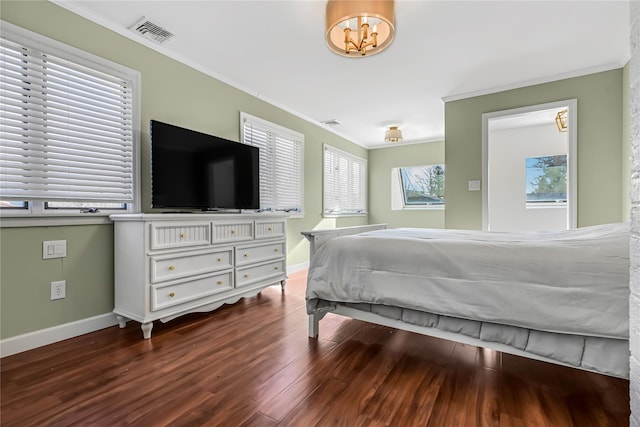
[{"x": 58, "y": 289}]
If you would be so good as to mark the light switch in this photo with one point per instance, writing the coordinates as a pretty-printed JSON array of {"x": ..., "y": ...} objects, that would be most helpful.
[
  {"x": 474, "y": 185},
  {"x": 54, "y": 249}
]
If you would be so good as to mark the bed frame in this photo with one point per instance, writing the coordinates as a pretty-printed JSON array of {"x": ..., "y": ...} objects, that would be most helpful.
[{"x": 317, "y": 238}]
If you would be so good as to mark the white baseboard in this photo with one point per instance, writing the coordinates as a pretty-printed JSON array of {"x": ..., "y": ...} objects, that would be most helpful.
[
  {"x": 47, "y": 336},
  {"x": 54, "y": 334},
  {"x": 298, "y": 267}
]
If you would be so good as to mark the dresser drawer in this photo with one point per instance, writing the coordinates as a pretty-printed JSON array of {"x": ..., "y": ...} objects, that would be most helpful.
[
  {"x": 256, "y": 253},
  {"x": 258, "y": 273},
  {"x": 174, "y": 235},
  {"x": 265, "y": 229},
  {"x": 185, "y": 264},
  {"x": 231, "y": 232},
  {"x": 163, "y": 296}
]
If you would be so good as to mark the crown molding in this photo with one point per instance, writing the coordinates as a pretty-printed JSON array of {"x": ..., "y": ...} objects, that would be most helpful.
[{"x": 533, "y": 82}]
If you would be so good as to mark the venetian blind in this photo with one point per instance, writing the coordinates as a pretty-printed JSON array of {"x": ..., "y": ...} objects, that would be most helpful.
[
  {"x": 344, "y": 183},
  {"x": 281, "y": 163},
  {"x": 66, "y": 129}
]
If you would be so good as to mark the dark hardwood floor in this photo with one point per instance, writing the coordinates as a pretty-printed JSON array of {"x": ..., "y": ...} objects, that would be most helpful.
[{"x": 252, "y": 364}]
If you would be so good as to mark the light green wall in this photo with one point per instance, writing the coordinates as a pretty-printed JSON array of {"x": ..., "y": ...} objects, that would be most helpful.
[
  {"x": 171, "y": 92},
  {"x": 25, "y": 290},
  {"x": 381, "y": 162},
  {"x": 600, "y": 142}
]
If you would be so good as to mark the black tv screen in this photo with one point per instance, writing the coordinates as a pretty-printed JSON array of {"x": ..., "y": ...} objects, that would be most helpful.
[{"x": 193, "y": 170}]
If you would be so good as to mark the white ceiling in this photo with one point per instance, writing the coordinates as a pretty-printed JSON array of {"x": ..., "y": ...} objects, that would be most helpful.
[{"x": 442, "y": 50}]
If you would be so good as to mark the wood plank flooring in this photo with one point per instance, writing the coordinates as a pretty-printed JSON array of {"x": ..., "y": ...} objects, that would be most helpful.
[{"x": 252, "y": 364}]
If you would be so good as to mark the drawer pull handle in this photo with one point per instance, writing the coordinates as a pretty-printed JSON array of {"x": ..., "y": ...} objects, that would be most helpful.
[
  {"x": 275, "y": 268},
  {"x": 246, "y": 275},
  {"x": 275, "y": 250},
  {"x": 233, "y": 231},
  {"x": 172, "y": 295},
  {"x": 220, "y": 282},
  {"x": 171, "y": 267},
  {"x": 219, "y": 259},
  {"x": 246, "y": 255},
  {"x": 269, "y": 229},
  {"x": 182, "y": 235}
]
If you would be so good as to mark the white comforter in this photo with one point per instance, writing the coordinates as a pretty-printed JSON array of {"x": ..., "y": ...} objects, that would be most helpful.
[{"x": 574, "y": 281}]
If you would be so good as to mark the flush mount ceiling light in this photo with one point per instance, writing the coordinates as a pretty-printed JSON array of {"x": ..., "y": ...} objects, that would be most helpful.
[
  {"x": 393, "y": 134},
  {"x": 561, "y": 120},
  {"x": 356, "y": 28}
]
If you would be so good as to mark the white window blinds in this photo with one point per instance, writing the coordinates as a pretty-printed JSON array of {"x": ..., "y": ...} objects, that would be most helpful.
[
  {"x": 281, "y": 163},
  {"x": 344, "y": 183},
  {"x": 66, "y": 128}
]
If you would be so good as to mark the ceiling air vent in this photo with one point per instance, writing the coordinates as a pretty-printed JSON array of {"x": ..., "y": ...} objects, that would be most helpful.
[
  {"x": 151, "y": 31},
  {"x": 331, "y": 122}
]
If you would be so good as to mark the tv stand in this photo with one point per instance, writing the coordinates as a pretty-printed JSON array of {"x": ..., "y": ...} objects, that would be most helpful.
[{"x": 170, "y": 265}]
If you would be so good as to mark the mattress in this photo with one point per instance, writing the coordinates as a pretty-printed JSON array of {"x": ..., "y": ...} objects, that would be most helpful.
[{"x": 573, "y": 282}]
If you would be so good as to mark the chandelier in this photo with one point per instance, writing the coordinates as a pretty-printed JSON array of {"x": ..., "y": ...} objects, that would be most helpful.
[
  {"x": 359, "y": 27},
  {"x": 393, "y": 134},
  {"x": 561, "y": 120}
]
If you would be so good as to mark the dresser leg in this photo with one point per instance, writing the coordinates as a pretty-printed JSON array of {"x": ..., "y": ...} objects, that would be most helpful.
[
  {"x": 146, "y": 330},
  {"x": 283, "y": 284},
  {"x": 122, "y": 321}
]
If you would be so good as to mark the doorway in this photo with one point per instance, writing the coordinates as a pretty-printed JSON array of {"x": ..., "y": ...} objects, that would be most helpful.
[{"x": 529, "y": 168}]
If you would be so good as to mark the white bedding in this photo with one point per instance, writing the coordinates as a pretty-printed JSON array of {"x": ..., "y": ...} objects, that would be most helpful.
[{"x": 571, "y": 282}]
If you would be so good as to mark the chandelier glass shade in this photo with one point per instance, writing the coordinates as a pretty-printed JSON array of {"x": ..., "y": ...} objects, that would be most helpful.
[
  {"x": 393, "y": 134},
  {"x": 358, "y": 28}
]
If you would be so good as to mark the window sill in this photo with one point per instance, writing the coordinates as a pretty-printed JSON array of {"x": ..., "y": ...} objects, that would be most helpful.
[
  {"x": 51, "y": 220},
  {"x": 344, "y": 215},
  {"x": 420, "y": 208},
  {"x": 546, "y": 206}
]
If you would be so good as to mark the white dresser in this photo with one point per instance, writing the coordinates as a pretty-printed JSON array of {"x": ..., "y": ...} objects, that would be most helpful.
[{"x": 167, "y": 265}]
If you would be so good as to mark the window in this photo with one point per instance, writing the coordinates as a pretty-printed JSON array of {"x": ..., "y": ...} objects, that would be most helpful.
[
  {"x": 546, "y": 180},
  {"x": 281, "y": 163},
  {"x": 422, "y": 185},
  {"x": 344, "y": 183},
  {"x": 67, "y": 121}
]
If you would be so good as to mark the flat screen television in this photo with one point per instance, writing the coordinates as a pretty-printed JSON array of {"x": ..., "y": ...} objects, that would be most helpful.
[{"x": 193, "y": 170}]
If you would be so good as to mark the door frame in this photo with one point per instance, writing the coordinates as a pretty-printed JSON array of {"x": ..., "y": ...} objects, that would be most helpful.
[{"x": 572, "y": 160}]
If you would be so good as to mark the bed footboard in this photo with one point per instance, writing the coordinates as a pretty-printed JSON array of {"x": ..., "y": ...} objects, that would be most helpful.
[
  {"x": 317, "y": 238},
  {"x": 314, "y": 323}
]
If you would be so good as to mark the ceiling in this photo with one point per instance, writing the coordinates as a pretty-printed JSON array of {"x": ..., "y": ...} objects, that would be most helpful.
[{"x": 443, "y": 50}]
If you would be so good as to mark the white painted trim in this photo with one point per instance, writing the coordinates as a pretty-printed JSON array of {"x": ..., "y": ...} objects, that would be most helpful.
[
  {"x": 53, "y": 220},
  {"x": 403, "y": 143},
  {"x": 35, "y": 339},
  {"x": 298, "y": 267},
  {"x": 533, "y": 82},
  {"x": 572, "y": 205}
]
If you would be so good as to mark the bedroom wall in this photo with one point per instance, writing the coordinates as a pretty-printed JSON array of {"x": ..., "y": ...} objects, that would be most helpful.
[
  {"x": 381, "y": 162},
  {"x": 600, "y": 144},
  {"x": 508, "y": 149},
  {"x": 171, "y": 92},
  {"x": 634, "y": 302}
]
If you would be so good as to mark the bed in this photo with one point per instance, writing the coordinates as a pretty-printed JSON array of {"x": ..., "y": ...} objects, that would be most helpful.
[{"x": 556, "y": 296}]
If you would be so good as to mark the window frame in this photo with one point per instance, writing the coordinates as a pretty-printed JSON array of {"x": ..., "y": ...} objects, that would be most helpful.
[
  {"x": 397, "y": 191},
  {"x": 547, "y": 203},
  {"x": 277, "y": 132},
  {"x": 351, "y": 159},
  {"x": 37, "y": 208}
]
